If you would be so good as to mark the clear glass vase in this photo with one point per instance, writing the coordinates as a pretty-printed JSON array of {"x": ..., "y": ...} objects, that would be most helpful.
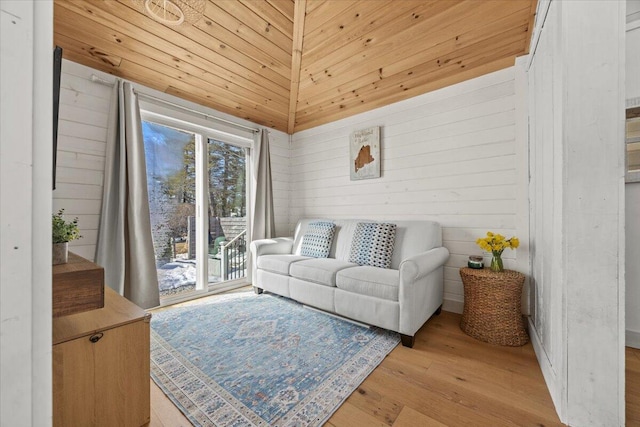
[{"x": 496, "y": 262}]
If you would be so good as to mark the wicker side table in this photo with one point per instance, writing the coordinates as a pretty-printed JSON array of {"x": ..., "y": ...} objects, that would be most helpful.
[{"x": 492, "y": 308}]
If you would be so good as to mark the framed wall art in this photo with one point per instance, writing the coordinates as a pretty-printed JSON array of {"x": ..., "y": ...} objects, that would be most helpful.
[{"x": 364, "y": 150}]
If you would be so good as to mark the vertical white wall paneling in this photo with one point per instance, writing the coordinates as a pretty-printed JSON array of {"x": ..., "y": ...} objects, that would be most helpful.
[
  {"x": 577, "y": 228},
  {"x": 547, "y": 324},
  {"x": 449, "y": 155},
  {"x": 25, "y": 206},
  {"x": 42, "y": 170},
  {"x": 632, "y": 190},
  {"x": 16, "y": 314},
  {"x": 594, "y": 209}
]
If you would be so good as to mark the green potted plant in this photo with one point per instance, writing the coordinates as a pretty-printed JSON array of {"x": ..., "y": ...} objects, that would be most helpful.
[{"x": 62, "y": 233}]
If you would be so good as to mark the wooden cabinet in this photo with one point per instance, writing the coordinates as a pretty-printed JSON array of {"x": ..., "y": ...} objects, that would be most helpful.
[{"x": 101, "y": 366}]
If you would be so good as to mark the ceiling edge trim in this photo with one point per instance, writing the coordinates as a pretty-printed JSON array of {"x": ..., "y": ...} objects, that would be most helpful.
[{"x": 298, "y": 38}]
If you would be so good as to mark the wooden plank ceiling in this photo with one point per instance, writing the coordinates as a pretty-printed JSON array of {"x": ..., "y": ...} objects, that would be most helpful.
[{"x": 296, "y": 64}]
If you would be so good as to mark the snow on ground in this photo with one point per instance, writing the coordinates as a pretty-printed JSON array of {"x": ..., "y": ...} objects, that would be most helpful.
[
  {"x": 179, "y": 276},
  {"x": 175, "y": 275}
]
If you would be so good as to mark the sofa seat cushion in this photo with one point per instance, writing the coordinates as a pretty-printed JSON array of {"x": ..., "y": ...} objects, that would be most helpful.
[
  {"x": 319, "y": 270},
  {"x": 372, "y": 281},
  {"x": 278, "y": 263}
]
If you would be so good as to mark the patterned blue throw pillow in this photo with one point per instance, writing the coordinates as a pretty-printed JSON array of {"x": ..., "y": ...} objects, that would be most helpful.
[
  {"x": 373, "y": 244},
  {"x": 316, "y": 241}
]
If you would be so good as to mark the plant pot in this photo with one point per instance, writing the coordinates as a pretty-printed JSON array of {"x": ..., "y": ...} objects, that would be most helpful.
[{"x": 60, "y": 253}]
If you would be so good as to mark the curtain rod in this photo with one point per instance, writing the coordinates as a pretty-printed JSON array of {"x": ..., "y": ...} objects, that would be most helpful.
[{"x": 100, "y": 80}]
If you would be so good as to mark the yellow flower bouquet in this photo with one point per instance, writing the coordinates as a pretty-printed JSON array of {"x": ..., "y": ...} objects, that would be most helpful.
[{"x": 496, "y": 243}]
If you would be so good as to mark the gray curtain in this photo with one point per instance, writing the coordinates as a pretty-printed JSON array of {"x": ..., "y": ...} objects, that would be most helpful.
[
  {"x": 262, "y": 218},
  {"x": 125, "y": 248}
]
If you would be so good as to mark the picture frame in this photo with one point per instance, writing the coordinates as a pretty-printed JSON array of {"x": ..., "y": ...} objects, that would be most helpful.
[{"x": 364, "y": 153}]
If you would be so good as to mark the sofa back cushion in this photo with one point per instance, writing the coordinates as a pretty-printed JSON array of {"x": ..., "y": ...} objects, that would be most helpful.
[{"x": 412, "y": 237}]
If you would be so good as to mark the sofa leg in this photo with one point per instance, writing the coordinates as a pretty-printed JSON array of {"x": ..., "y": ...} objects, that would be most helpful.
[
  {"x": 407, "y": 340},
  {"x": 257, "y": 290},
  {"x": 438, "y": 311}
]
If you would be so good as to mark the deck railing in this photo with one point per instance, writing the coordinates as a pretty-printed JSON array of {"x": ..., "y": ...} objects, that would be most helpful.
[{"x": 233, "y": 257}]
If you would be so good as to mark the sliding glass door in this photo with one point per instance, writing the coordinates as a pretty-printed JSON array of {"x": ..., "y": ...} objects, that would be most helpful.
[
  {"x": 197, "y": 203},
  {"x": 227, "y": 197},
  {"x": 171, "y": 182}
]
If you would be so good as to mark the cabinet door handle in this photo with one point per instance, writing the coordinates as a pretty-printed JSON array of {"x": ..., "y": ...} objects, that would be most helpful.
[{"x": 96, "y": 337}]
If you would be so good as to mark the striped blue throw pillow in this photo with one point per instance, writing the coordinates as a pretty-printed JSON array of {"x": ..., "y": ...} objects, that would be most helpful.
[
  {"x": 316, "y": 241},
  {"x": 373, "y": 244}
]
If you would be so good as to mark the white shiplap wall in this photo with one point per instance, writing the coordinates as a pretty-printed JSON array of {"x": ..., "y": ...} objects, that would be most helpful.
[
  {"x": 449, "y": 156},
  {"x": 84, "y": 108},
  {"x": 281, "y": 179},
  {"x": 82, "y": 135}
]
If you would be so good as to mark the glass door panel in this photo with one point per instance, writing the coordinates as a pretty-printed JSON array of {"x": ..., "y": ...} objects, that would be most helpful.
[
  {"x": 171, "y": 182},
  {"x": 227, "y": 211}
]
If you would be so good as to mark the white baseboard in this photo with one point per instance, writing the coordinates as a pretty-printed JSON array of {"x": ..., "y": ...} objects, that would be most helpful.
[
  {"x": 632, "y": 339},
  {"x": 547, "y": 372},
  {"x": 453, "y": 306}
]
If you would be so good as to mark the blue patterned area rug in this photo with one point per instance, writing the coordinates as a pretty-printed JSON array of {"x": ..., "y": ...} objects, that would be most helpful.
[{"x": 260, "y": 360}]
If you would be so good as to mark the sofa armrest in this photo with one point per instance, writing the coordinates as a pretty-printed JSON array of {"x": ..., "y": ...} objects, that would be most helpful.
[
  {"x": 418, "y": 266},
  {"x": 278, "y": 245},
  {"x": 275, "y": 246},
  {"x": 421, "y": 289}
]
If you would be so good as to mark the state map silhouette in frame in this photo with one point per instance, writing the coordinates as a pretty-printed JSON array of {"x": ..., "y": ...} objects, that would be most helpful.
[{"x": 364, "y": 150}]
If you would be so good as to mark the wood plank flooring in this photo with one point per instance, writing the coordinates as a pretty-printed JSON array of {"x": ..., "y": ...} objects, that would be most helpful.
[
  {"x": 447, "y": 379},
  {"x": 632, "y": 392}
]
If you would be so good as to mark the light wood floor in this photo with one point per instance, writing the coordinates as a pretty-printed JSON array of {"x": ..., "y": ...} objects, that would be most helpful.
[
  {"x": 632, "y": 392},
  {"x": 447, "y": 379}
]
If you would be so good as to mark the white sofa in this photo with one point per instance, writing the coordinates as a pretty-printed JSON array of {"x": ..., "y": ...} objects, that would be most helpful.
[{"x": 401, "y": 298}]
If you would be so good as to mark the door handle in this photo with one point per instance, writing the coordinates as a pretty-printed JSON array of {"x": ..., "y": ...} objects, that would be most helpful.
[{"x": 96, "y": 337}]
